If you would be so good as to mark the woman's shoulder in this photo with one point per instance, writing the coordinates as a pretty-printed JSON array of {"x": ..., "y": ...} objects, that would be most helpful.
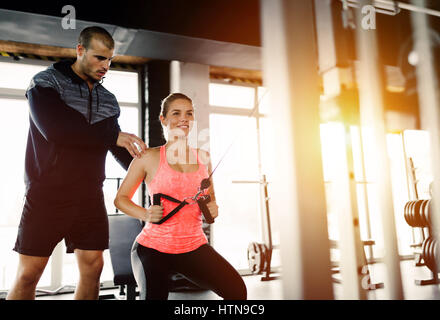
[
  {"x": 150, "y": 153},
  {"x": 148, "y": 156},
  {"x": 148, "y": 160}
]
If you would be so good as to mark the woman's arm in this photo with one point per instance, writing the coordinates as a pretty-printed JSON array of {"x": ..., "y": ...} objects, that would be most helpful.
[
  {"x": 212, "y": 205},
  {"x": 136, "y": 173}
]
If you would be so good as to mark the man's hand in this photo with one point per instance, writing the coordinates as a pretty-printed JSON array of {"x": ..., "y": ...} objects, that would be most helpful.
[{"x": 132, "y": 143}]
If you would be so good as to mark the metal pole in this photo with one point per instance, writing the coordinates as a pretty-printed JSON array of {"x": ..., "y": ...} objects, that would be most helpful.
[
  {"x": 372, "y": 120},
  {"x": 352, "y": 254},
  {"x": 290, "y": 72},
  {"x": 143, "y": 115},
  {"x": 352, "y": 260},
  {"x": 427, "y": 86},
  {"x": 365, "y": 193},
  {"x": 263, "y": 210}
]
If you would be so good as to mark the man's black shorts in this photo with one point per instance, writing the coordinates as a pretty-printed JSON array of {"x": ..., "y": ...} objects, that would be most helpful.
[{"x": 52, "y": 215}]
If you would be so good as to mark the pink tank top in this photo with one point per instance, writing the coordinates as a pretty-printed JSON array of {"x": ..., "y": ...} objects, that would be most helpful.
[{"x": 182, "y": 232}]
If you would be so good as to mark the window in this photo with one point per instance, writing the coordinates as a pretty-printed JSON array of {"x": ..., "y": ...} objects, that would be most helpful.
[
  {"x": 236, "y": 129},
  {"x": 238, "y": 201},
  {"x": 14, "y": 124},
  {"x": 17, "y": 75},
  {"x": 128, "y": 121},
  {"x": 123, "y": 84},
  {"x": 224, "y": 95}
]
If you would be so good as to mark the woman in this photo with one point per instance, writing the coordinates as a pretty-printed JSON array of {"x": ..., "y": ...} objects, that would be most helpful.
[{"x": 178, "y": 244}]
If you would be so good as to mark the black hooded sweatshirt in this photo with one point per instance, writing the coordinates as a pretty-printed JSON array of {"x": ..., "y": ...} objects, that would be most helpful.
[{"x": 71, "y": 130}]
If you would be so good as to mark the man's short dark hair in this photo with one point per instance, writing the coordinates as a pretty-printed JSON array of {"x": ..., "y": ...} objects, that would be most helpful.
[{"x": 95, "y": 32}]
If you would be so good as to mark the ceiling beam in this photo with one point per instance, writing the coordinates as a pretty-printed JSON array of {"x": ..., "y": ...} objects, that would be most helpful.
[
  {"x": 52, "y": 51},
  {"x": 234, "y": 74}
]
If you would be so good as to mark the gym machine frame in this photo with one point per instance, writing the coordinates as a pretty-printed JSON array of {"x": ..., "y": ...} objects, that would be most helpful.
[{"x": 260, "y": 255}]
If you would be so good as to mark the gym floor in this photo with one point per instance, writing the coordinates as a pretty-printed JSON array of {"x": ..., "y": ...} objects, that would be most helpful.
[{"x": 272, "y": 290}]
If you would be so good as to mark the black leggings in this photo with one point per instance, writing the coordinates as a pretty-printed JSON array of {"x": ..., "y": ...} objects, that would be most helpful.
[{"x": 203, "y": 266}]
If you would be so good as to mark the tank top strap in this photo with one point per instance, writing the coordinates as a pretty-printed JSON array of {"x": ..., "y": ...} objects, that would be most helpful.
[{"x": 163, "y": 156}]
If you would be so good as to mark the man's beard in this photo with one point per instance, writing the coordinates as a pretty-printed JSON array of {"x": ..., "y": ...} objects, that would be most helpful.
[{"x": 92, "y": 79}]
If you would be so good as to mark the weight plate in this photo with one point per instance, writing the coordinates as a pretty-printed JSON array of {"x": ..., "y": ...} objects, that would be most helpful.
[
  {"x": 428, "y": 212},
  {"x": 436, "y": 256},
  {"x": 411, "y": 214},
  {"x": 424, "y": 252},
  {"x": 422, "y": 213},
  {"x": 254, "y": 257},
  {"x": 406, "y": 211},
  {"x": 428, "y": 262}
]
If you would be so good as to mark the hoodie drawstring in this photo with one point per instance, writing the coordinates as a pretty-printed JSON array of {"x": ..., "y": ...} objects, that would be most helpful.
[
  {"x": 80, "y": 90},
  {"x": 97, "y": 98},
  {"x": 97, "y": 95}
]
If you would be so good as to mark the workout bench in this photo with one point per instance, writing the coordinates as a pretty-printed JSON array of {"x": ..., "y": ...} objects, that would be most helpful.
[{"x": 123, "y": 231}]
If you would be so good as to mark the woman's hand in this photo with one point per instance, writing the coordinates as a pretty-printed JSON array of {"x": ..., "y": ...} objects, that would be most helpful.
[
  {"x": 213, "y": 209},
  {"x": 154, "y": 213}
]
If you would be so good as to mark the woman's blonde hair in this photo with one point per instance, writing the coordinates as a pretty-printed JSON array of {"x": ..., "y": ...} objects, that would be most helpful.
[{"x": 165, "y": 105}]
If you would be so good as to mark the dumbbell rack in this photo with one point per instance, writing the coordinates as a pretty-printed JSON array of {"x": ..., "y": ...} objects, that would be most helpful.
[
  {"x": 417, "y": 214},
  {"x": 416, "y": 246}
]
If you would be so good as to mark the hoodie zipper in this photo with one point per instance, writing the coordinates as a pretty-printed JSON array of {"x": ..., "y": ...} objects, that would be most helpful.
[{"x": 90, "y": 105}]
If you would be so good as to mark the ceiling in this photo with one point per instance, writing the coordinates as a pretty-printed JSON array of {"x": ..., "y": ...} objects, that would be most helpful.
[
  {"x": 235, "y": 21},
  {"x": 227, "y": 21}
]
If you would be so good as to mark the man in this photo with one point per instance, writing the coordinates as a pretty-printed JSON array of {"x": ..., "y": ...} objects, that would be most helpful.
[{"x": 73, "y": 124}]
